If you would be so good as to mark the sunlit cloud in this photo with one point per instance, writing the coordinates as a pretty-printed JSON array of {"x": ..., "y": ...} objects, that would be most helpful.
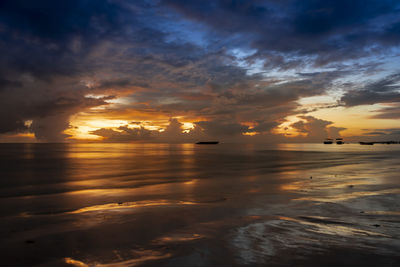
[{"x": 261, "y": 71}]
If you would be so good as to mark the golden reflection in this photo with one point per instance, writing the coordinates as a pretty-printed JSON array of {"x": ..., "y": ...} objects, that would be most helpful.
[
  {"x": 179, "y": 238},
  {"x": 187, "y": 149},
  {"x": 153, "y": 188},
  {"x": 343, "y": 197},
  {"x": 191, "y": 182},
  {"x": 332, "y": 229},
  {"x": 75, "y": 263},
  {"x": 321, "y": 184},
  {"x": 29, "y": 152},
  {"x": 130, "y": 205},
  {"x": 101, "y": 150},
  {"x": 254, "y": 190},
  {"x": 143, "y": 256},
  {"x": 292, "y": 186}
]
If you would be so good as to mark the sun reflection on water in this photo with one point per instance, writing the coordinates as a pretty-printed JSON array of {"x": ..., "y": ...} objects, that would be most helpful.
[{"x": 130, "y": 205}]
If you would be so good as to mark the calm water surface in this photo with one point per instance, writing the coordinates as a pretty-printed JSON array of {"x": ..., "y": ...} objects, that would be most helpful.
[{"x": 199, "y": 205}]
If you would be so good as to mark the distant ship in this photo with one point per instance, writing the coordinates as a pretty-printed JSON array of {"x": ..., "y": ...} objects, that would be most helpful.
[
  {"x": 367, "y": 143},
  {"x": 339, "y": 141},
  {"x": 208, "y": 143},
  {"x": 328, "y": 141}
]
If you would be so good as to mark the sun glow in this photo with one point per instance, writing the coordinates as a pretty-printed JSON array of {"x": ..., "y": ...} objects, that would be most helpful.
[
  {"x": 285, "y": 128},
  {"x": 84, "y": 123},
  {"x": 355, "y": 119},
  {"x": 81, "y": 127},
  {"x": 187, "y": 126},
  {"x": 83, "y": 133},
  {"x": 250, "y": 133}
]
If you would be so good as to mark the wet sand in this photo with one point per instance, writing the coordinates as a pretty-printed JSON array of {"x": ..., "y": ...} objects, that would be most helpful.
[{"x": 190, "y": 205}]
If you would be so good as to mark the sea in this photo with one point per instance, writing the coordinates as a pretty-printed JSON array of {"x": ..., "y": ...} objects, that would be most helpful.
[{"x": 134, "y": 204}]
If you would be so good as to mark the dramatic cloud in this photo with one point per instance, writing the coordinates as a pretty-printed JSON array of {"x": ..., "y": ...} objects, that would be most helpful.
[
  {"x": 386, "y": 90},
  {"x": 124, "y": 134},
  {"x": 322, "y": 31},
  {"x": 174, "y": 132},
  {"x": 228, "y": 70},
  {"x": 315, "y": 129}
]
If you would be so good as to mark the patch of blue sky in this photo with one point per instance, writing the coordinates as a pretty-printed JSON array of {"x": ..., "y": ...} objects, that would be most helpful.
[
  {"x": 392, "y": 62},
  {"x": 240, "y": 55},
  {"x": 385, "y": 65},
  {"x": 186, "y": 32},
  {"x": 176, "y": 28}
]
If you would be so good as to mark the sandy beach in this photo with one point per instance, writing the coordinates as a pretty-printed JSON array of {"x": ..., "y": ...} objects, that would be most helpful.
[{"x": 191, "y": 205}]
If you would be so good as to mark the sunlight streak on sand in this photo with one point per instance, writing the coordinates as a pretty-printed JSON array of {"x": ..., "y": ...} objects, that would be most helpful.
[
  {"x": 179, "y": 238},
  {"x": 343, "y": 197},
  {"x": 143, "y": 256},
  {"x": 331, "y": 228},
  {"x": 131, "y": 205},
  {"x": 75, "y": 263}
]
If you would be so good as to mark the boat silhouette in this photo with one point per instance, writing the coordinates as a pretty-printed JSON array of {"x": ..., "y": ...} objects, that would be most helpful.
[
  {"x": 339, "y": 141},
  {"x": 367, "y": 143},
  {"x": 207, "y": 143},
  {"x": 328, "y": 141}
]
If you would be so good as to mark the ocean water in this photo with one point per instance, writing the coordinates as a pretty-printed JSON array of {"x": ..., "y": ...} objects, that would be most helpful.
[{"x": 199, "y": 205}]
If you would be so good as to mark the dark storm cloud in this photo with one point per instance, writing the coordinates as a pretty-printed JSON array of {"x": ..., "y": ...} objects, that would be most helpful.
[
  {"x": 60, "y": 20},
  {"x": 222, "y": 128},
  {"x": 48, "y": 48},
  {"x": 7, "y": 83},
  {"x": 175, "y": 58},
  {"x": 386, "y": 90},
  {"x": 264, "y": 126},
  {"x": 365, "y": 97},
  {"x": 274, "y": 94},
  {"x": 50, "y": 112},
  {"x": 43, "y": 44},
  {"x": 45, "y": 37},
  {"x": 326, "y": 30}
]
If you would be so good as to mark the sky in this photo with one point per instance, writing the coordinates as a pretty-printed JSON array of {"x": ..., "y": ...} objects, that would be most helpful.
[{"x": 183, "y": 71}]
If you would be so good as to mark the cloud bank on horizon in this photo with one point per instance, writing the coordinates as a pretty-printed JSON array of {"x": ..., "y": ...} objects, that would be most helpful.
[{"x": 179, "y": 71}]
